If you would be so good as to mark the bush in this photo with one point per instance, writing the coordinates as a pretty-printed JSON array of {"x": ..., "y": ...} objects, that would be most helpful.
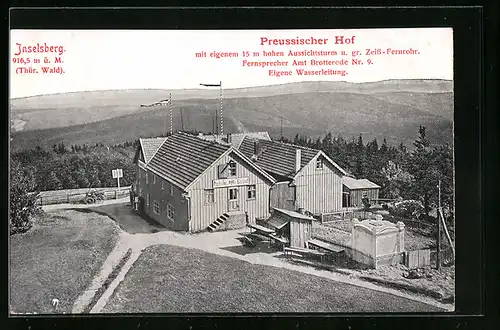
[
  {"x": 23, "y": 199},
  {"x": 409, "y": 209}
]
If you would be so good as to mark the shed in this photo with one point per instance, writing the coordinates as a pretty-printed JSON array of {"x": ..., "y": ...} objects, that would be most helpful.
[
  {"x": 354, "y": 190},
  {"x": 293, "y": 226}
]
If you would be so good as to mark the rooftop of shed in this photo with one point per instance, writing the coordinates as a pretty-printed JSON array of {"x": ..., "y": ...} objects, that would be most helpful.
[{"x": 354, "y": 184}]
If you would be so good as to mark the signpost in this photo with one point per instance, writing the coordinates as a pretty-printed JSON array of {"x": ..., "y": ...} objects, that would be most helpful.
[{"x": 117, "y": 174}]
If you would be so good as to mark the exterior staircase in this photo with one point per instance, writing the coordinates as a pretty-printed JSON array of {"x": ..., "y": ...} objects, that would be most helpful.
[{"x": 218, "y": 224}]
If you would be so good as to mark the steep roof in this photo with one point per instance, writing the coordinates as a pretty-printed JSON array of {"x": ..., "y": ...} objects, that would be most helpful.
[
  {"x": 353, "y": 183},
  {"x": 182, "y": 158},
  {"x": 276, "y": 157},
  {"x": 237, "y": 138},
  {"x": 150, "y": 146},
  {"x": 279, "y": 158}
]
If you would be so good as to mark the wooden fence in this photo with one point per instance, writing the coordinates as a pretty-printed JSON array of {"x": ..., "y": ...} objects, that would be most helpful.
[
  {"x": 343, "y": 215},
  {"x": 78, "y": 195},
  {"x": 447, "y": 257},
  {"x": 417, "y": 258}
]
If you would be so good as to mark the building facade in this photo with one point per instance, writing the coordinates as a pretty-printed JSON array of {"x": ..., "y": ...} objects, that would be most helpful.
[
  {"x": 307, "y": 178},
  {"x": 191, "y": 184},
  {"x": 355, "y": 190}
]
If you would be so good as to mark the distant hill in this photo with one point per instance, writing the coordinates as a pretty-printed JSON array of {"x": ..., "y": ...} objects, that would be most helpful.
[
  {"x": 390, "y": 112},
  {"x": 60, "y": 110}
]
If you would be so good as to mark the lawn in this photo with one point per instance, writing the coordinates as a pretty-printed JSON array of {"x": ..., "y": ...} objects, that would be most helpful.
[
  {"x": 58, "y": 258},
  {"x": 168, "y": 279}
]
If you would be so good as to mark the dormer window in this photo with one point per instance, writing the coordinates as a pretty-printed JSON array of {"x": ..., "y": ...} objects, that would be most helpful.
[{"x": 319, "y": 164}]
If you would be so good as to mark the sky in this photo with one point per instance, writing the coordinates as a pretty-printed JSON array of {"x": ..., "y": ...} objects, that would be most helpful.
[{"x": 165, "y": 59}]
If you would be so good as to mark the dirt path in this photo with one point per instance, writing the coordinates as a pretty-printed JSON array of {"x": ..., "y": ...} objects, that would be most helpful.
[{"x": 217, "y": 243}]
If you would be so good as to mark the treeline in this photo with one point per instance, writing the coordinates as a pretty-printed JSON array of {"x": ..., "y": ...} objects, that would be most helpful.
[
  {"x": 400, "y": 172},
  {"x": 78, "y": 166}
]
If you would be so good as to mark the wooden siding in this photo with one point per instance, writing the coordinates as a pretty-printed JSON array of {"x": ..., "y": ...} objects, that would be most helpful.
[
  {"x": 356, "y": 196},
  {"x": 319, "y": 191},
  {"x": 203, "y": 214},
  {"x": 163, "y": 196},
  {"x": 282, "y": 196},
  {"x": 300, "y": 232}
]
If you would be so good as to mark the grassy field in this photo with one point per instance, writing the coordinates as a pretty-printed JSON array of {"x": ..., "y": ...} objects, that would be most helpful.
[
  {"x": 57, "y": 258},
  {"x": 172, "y": 279}
]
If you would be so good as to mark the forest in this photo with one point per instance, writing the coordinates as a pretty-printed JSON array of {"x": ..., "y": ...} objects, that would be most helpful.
[{"x": 402, "y": 173}]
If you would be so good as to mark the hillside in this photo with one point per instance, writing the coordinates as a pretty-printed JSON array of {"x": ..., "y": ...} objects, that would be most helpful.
[
  {"x": 60, "y": 110},
  {"x": 394, "y": 115}
]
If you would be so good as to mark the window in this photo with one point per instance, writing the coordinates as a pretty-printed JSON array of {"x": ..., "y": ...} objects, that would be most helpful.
[
  {"x": 156, "y": 207},
  {"x": 233, "y": 193},
  {"x": 251, "y": 192},
  {"x": 140, "y": 192},
  {"x": 209, "y": 196},
  {"x": 147, "y": 200},
  {"x": 162, "y": 185},
  {"x": 147, "y": 177},
  {"x": 154, "y": 178},
  {"x": 232, "y": 168},
  {"x": 171, "y": 190},
  {"x": 170, "y": 212},
  {"x": 319, "y": 164}
]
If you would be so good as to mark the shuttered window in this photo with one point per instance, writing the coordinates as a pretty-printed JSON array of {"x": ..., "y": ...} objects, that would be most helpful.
[
  {"x": 319, "y": 164},
  {"x": 147, "y": 177},
  {"x": 154, "y": 178},
  {"x": 147, "y": 200},
  {"x": 209, "y": 196},
  {"x": 156, "y": 207},
  {"x": 232, "y": 168},
  {"x": 251, "y": 192},
  {"x": 162, "y": 187},
  {"x": 170, "y": 212},
  {"x": 222, "y": 171}
]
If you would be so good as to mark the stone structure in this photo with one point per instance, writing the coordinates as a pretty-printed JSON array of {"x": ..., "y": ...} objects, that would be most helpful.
[{"x": 377, "y": 242}]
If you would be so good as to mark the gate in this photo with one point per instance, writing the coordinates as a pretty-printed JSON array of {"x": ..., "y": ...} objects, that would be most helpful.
[{"x": 418, "y": 258}]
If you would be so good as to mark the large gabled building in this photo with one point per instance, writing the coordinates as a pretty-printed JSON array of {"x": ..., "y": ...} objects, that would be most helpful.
[
  {"x": 306, "y": 178},
  {"x": 190, "y": 184}
]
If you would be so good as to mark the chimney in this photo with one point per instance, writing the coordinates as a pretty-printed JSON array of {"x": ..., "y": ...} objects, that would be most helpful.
[
  {"x": 228, "y": 137},
  {"x": 298, "y": 160}
]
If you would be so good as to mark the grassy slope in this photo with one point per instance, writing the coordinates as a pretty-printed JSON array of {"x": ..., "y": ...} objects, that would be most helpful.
[
  {"x": 57, "y": 258},
  {"x": 395, "y": 116},
  {"x": 174, "y": 279}
]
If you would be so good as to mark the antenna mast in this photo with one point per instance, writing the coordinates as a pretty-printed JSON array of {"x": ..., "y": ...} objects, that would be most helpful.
[{"x": 171, "y": 115}]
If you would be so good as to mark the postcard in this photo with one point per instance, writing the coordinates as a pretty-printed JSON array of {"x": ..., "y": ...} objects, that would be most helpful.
[{"x": 231, "y": 171}]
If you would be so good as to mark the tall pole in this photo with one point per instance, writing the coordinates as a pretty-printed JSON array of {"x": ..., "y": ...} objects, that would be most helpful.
[
  {"x": 182, "y": 120},
  {"x": 221, "y": 116},
  {"x": 438, "y": 258},
  {"x": 171, "y": 115},
  {"x": 281, "y": 130}
]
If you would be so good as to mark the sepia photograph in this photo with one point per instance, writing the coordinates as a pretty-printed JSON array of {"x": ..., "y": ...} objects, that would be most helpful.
[{"x": 231, "y": 171}]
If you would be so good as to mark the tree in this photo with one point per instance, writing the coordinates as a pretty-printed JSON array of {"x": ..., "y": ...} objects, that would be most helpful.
[
  {"x": 52, "y": 182},
  {"x": 420, "y": 167},
  {"x": 395, "y": 179},
  {"x": 23, "y": 198}
]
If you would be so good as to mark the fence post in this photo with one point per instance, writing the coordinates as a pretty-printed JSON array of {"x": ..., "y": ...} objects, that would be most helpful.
[
  {"x": 68, "y": 199},
  {"x": 116, "y": 195}
]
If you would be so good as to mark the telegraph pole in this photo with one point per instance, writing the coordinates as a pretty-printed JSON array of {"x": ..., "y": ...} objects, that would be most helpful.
[
  {"x": 438, "y": 258},
  {"x": 182, "y": 120},
  {"x": 281, "y": 130}
]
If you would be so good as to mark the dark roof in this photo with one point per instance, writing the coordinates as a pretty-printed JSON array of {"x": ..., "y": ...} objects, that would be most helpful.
[
  {"x": 293, "y": 214},
  {"x": 182, "y": 158},
  {"x": 276, "y": 157},
  {"x": 352, "y": 183},
  {"x": 150, "y": 146},
  {"x": 236, "y": 138}
]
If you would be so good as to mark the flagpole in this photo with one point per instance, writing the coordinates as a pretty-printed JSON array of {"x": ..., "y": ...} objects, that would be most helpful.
[{"x": 221, "y": 116}]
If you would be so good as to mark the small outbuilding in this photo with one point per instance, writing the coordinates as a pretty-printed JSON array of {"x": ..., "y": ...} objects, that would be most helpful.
[
  {"x": 355, "y": 190},
  {"x": 293, "y": 226}
]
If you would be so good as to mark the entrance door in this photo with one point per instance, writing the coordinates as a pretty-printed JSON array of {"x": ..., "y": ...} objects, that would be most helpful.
[{"x": 233, "y": 204}]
